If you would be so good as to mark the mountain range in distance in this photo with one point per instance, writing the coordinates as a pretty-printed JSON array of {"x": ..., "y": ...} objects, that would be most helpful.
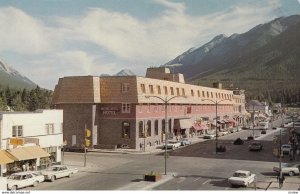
[
  {"x": 265, "y": 61},
  {"x": 12, "y": 78}
]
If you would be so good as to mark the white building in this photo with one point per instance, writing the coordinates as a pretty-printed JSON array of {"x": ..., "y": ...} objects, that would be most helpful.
[{"x": 31, "y": 137}]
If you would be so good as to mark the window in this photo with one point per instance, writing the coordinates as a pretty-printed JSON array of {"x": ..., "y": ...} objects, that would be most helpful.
[
  {"x": 141, "y": 129},
  {"x": 198, "y": 93},
  {"x": 158, "y": 90},
  {"x": 125, "y": 87},
  {"x": 166, "y": 90},
  {"x": 189, "y": 110},
  {"x": 170, "y": 125},
  {"x": 148, "y": 127},
  {"x": 143, "y": 88},
  {"x": 17, "y": 131},
  {"x": 182, "y": 91},
  {"x": 207, "y": 94},
  {"x": 177, "y": 92},
  {"x": 49, "y": 128},
  {"x": 211, "y": 94},
  {"x": 216, "y": 95},
  {"x": 156, "y": 127},
  {"x": 172, "y": 91},
  {"x": 125, "y": 108},
  {"x": 151, "y": 89},
  {"x": 203, "y": 94},
  {"x": 192, "y": 92},
  {"x": 126, "y": 129},
  {"x": 73, "y": 140},
  {"x": 163, "y": 126}
]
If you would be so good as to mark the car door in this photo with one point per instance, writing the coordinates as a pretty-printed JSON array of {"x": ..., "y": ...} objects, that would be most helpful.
[{"x": 27, "y": 180}]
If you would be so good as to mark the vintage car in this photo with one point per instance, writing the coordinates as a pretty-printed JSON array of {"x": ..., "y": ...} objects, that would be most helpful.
[
  {"x": 172, "y": 144},
  {"x": 241, "y": 178},
  {"x": 185, "y": 141},
  {"x": 286, "y": 148},
  {"x": 24, "y": 179},
  {"x": 255, "y": 146},
  {"x": 209, "y": 136},
  {"x": 288, "y": 168},
  {"x": 58, "y": 171}
]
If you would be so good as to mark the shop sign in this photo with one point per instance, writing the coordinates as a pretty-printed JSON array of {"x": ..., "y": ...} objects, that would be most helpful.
[
  {"x": 16, "y": 141},
  {"x": 109, "y": 110}
]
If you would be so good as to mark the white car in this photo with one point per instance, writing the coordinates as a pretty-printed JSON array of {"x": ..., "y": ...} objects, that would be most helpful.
[
  {"x": 286, "y": 148},
  {"x": 58, "y": 171},
  {"x": 185, "y": 141},
  {"x": 288, "y": 168},
  {"x": 209, "y": 136},
  {"x": 172, "y": 144},
  {"x": 24, "y": 179},
  {"x": 242, "y": 178}
]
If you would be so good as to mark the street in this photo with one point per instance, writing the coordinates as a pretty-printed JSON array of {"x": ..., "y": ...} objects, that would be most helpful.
[{"x": 195, "y": 167}]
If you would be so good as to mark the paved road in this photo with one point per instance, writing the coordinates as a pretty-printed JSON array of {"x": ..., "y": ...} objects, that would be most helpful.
[{"x": 196, "y": 167}]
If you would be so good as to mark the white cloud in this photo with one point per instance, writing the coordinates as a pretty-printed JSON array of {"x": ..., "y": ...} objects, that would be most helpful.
[
  {"x": 22, "y": 33},
  {"x": 164, "y": 37}
]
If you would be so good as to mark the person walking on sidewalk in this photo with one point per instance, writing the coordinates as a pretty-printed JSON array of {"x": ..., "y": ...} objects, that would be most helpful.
[{"x": 280, "y": 179}]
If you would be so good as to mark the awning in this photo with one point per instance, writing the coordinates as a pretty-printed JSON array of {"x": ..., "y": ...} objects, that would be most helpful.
[
  {"x": 221, "y": 122},
  {"x": 231, "y": 121},
  {"x": 27, "y": 153},
  {"x": 4, "y": 158},
  {"x": 199, "y": 126}
]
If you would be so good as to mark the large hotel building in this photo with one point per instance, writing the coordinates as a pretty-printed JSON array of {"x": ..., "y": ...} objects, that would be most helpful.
[{"x": 119, "y": 110}]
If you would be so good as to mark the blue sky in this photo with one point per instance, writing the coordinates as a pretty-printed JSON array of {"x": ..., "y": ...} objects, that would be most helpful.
[{"x": 49, "y": 39}]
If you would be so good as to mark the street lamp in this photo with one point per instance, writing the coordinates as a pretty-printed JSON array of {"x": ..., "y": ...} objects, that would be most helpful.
[
  {"x": 166, "y": 100},
  {"x": 216, "y": 103}
]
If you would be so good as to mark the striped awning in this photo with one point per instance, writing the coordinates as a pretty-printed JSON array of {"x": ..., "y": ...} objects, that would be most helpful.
[{"x": 5, "y": 158}]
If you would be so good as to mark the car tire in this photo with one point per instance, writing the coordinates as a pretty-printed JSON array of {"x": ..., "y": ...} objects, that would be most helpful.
[
  {"x": 70, "y": 175},
  {"x": 35, "y": 183},
  {"x": 291, "y": 173},
  {"x": 15, "y": 187},
  {"x": 52, "y": 178}
]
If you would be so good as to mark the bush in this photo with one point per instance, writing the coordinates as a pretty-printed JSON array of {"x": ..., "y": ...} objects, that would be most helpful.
[{"x": 238, "y": 141}]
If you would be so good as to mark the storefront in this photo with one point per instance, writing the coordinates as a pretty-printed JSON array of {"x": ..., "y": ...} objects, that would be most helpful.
[
  {"x": 27, "y": 158},
  {"x": 4, "y": 160}
]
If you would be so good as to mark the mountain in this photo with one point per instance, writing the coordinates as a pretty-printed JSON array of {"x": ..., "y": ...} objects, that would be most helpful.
[
  {"x": 125, "y": 72},
  {"x": 12, "y": 78},
  {"x": 265, "y": 61}
]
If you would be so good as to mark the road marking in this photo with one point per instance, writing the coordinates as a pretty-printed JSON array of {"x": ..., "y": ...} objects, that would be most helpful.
[
  {"x": 197, "y": 179},
  {"x": 207, "y": 181}
]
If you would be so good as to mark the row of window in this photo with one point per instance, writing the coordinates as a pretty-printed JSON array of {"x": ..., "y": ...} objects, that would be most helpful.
[
  {"x": 181, "y": 92},
  {"x": 145, "y": 128},
  {"x": 17, "y": 130},
  {"x": 172, "y": 107}
]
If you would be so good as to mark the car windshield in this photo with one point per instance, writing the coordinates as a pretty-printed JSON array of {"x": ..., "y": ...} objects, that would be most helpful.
[
  {"x": 15, "y": 177},
  {"x": 239, "y": 175},
  {"x": 54, "y": 168},
  {"x": 286, "y": 146}
]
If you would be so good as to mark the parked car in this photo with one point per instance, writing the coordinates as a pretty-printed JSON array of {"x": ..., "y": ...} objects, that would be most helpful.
[
  {"x": 238, "y": 141},
  {"x": 172, "y": 144},
  {"x": 58, "y": 171},
  {"x": 185, "y": 141},
  {"x": 242, "y": 178},
  {"x": 222, "y": 133},
  {"x": 264, "y": 131},
  {"x": 24, "y": 179},
  {"x": 286, "y": 148},
  {"x": 255, "y": 146},
  {"x": 209, "y": 136},
  {"x": 288, "y": 168}
]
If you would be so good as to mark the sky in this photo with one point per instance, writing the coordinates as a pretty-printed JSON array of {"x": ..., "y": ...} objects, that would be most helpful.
[{"x": 49, "y": 39}]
